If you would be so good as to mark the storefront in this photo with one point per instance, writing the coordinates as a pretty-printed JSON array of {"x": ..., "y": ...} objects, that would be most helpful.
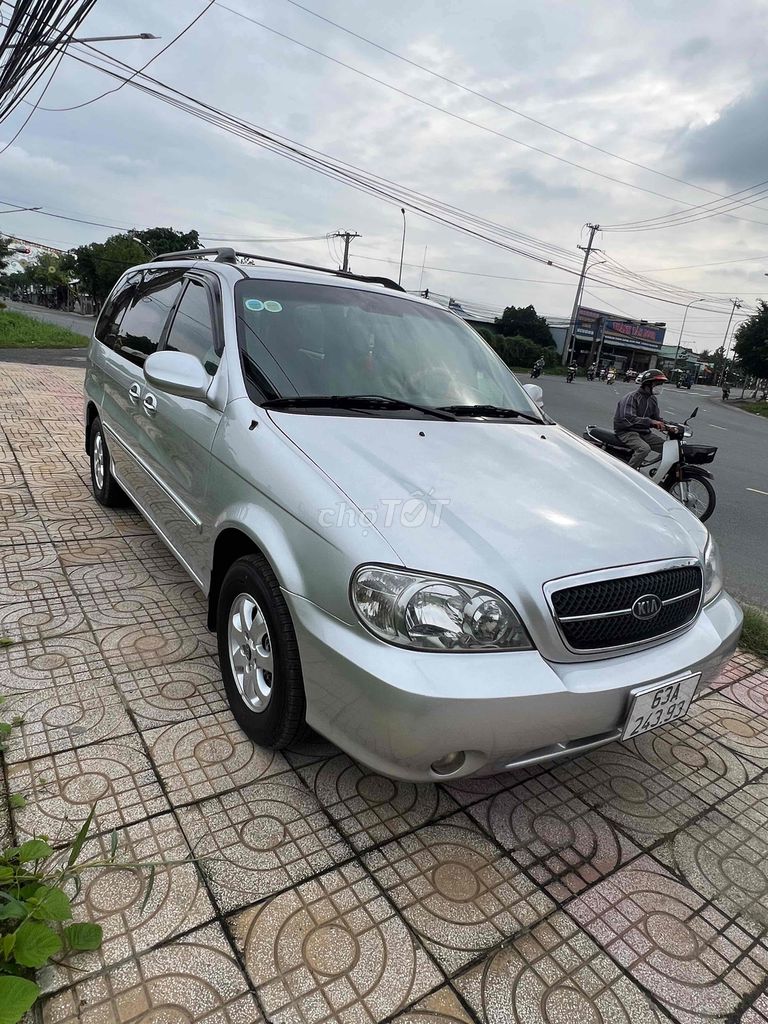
[{"x": 611, "y": 340}]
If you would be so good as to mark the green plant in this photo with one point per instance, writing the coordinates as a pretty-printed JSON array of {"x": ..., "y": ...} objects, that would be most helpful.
[
  {"x": 6, "y": 641},
  {"x": 754, "y": 637}
]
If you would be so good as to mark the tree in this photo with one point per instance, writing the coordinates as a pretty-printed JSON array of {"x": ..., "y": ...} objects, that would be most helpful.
[
  {"x": 752, "y": 342},
  {"x": 98, "y": 265},
  {"x": 5, "y": 252},
  {"x": 524, "y": 322}
]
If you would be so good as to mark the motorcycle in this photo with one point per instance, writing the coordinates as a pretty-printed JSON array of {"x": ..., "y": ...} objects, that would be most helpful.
[
  {"x": 611, "y": 376},
  {"x": 684, "y": 382},
  {"x": 570, "y": 375},
  {"x": 590, "y": 374},
  {"x": 536, "y": 372},
  {"x": 679, "y": 471}
]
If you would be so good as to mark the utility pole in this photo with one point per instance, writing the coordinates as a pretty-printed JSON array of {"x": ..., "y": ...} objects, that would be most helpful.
[
  {"x": 347, "y": 236},
  {"x": 593, "y": 229},
  {"x": 735, "y": 304}
]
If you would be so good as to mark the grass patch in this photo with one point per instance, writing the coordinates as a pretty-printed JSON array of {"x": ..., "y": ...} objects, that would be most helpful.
[
  {"x": 20, "y": 331},
  {"x": 755, "y": 635},
  {"x": 761, "y": 408}
]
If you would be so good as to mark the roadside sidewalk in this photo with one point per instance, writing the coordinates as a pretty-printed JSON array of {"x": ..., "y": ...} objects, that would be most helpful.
[{"x": 630, "y": 884}]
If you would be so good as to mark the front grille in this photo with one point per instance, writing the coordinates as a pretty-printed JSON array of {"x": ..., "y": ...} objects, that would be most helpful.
[{"x": 596, "y": 616}]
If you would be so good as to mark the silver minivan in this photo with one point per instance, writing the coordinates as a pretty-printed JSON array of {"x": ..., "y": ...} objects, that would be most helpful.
[{"x": 398, "y": 546}]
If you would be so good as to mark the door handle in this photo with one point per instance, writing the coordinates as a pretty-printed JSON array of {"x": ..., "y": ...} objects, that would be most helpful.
[
  {"x": 150, "y": 404},
  {"x": 134, "y": 392}
]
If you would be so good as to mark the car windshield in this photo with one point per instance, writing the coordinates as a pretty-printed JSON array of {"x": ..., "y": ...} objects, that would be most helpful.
[{"x": 318, "y": 340}]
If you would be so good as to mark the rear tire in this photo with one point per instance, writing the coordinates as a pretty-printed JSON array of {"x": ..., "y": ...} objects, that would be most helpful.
[
  {"x": 106, "y": 490},
  {"x": 701, "y": 496},
  {"x": 259, "y": 655}
]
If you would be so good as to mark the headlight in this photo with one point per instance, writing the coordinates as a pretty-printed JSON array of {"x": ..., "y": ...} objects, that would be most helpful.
[
  {"x": 713, "y": 573},
  {"x": 434, "y": 614}
]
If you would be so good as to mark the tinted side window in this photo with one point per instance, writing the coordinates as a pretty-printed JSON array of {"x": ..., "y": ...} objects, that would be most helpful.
[
  {"x": 112, "y": 311},
  {"x": 144, "y": 320},
  {"x": 192, "y": 328}
]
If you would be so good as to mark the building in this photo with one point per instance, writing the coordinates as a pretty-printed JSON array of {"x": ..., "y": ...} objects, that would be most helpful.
[{"x": 611, "y": 340}]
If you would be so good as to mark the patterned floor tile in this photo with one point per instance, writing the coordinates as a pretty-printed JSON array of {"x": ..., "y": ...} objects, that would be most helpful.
[
  {"x": 701, "y": 764},
  {"x": 190, "y": 981},
  {"x": 368, "y": 808},
  {"x": 82, "y": 526},
  {"x": 63, "y": 717},
  {"x": 211, "y": 755},
  {"x": 64, "y": 660},
  {"x": 472, "y": 790},
  {"x": 308, "y": 748},
  {"x": 332, "y": 950},
  {"x": 758, "y": 1012},
  {"x": 751, "y": 692},
  {"x": 71, "y": 490},
  {"x": 741, "y": 665},
  {"x": 29, "y": 570},
  {"x": 734, "y": 726},
  {"x": 41, "y": 615},
  {"x": 114, "y": 776},
  {"x": 261, "y": 839},
  {"x": 456, "y": 890},
  {"x": 555, "y": 975},
  {"x": 724, "y": 855},
  {"x": 441, "y": 1007},
  {"x": 646, "y": 803},
  {"x": 118, "y": 604},
  {"x": 22, "y": 529},
  {"x": 149, "y": 644},
  {"x": 118, "y": 566},
  {"x": 103, "y": 552},
  {"x": 564, "y": 844},
  {"x": 113, "y": 897},
  {"x": 695, "y": 960},
  {"x": 174, "y": 693}
]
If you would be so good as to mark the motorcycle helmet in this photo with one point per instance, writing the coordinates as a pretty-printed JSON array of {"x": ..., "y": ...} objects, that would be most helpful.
[{"x": 653, "y": 377}]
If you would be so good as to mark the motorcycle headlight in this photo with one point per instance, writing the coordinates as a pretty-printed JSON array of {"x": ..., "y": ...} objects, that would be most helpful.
[
  {"x": 713, "y": 573},
  {"x": 433, "y": 614}
]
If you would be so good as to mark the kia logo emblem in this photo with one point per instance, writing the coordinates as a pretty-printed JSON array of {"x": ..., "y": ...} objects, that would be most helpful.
[{"x": 646, "y": 607}]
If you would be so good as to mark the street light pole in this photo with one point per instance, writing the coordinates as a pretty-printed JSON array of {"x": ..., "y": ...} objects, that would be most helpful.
[
  {"x": 682, "y": 328},
  {"x": 735, "y": 304},
  {"x": 402, "y": 249},
  {"x": 132, "y": 234},
  {"x": 593, "y": 228}
]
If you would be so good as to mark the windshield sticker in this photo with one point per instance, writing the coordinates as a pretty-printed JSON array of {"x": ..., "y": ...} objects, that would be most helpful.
[
  {"x": 273, "y": 307},
  {"x": 256, "y": 305}
]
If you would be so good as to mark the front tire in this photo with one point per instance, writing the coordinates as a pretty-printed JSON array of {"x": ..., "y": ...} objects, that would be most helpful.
[
  {"x": 259, "y": 655},
  {"x": 697, "y": 494},
  {"x": 106, "y": 490}
]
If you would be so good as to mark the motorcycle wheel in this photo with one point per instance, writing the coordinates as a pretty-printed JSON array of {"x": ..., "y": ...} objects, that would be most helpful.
[{"x": 697, "y": 494}]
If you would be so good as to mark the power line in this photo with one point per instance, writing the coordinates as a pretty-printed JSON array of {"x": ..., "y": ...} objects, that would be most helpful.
[
  {"x": 451, "y": 113},
  {"x": 701, "y": 212},
  {"x": 492, "y": 99},
  {"x": 117, "y": 88}
]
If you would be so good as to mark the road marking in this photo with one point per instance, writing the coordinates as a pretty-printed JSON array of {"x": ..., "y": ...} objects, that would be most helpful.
[
  {"x": 755, "y": 491},
  {"x": 716, "y": 426}
]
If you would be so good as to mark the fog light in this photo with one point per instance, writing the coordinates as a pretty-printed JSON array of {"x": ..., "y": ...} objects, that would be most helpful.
[{"x": 449, "y": 764}]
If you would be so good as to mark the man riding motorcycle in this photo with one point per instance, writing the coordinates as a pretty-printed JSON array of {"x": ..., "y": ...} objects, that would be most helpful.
[
  {"x": 636, "y": 414},
  {"x": 538, "y": 367}
]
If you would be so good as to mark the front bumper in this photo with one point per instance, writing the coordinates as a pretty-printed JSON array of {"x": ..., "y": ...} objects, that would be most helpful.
[{"x": 398, "y": 711}]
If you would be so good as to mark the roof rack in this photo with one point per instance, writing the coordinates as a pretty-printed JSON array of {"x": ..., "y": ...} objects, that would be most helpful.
[{"x": 225, "y": 254}]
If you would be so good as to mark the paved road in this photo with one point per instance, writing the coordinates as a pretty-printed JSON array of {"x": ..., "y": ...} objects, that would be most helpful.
[
  {"x": 740, "y": 520},
  {"x": 72, "y": 321}
]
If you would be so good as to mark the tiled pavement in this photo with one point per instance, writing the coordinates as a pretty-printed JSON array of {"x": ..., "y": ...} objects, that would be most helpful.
[{"x": 628, "y": 885}]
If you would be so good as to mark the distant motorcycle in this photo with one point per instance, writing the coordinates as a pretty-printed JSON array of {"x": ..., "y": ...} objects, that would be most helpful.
[
  {"x": 610, "y": 376},
  {"x": 679, "y": 471},
  {"x": 536, "y": 372},
  {"x": 570, "y": 375},
  {"x": 590, "y": 374}
]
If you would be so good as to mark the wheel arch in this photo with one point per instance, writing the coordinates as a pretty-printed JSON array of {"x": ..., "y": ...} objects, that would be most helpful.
[{"x": 232, "y": 542}]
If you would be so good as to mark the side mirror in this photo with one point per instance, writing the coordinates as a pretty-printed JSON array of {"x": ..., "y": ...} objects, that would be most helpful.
[
  {"x": 535, "y": 394},
  {"x": 693, "y": 413},
  {"x": 177, "y": 373}
]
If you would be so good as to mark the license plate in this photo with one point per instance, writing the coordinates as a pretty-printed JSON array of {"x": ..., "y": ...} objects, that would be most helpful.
[{"x": 659, "y": 704}]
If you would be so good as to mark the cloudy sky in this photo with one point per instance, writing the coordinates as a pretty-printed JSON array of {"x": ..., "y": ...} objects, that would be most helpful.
[{"x": 680, "y": 87}]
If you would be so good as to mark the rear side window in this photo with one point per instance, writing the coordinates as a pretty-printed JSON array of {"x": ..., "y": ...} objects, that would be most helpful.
[
  {"x": 192, "y": 330},
  {"x": 142, "y": 323},
  {"x": 113, "y": 309}
]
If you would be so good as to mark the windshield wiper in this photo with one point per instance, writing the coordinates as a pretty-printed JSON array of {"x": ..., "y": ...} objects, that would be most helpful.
[
  {"x": 488, "y": 410},
  {"x": 371, "y": 402}
]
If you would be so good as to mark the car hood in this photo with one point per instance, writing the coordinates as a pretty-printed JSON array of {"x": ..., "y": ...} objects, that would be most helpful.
[{"x": 509, "y": 504}]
